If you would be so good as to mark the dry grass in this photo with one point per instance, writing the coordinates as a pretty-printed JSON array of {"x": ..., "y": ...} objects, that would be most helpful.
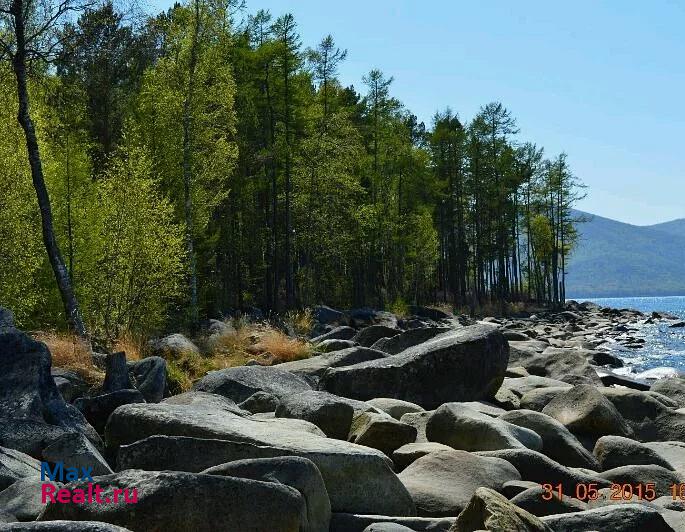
[
  {"x": 302, "y": 321},
  {"x": 70, "y": 352},
  {"x": 280, "y": 346},
  {"x": 133, "y": 346}
]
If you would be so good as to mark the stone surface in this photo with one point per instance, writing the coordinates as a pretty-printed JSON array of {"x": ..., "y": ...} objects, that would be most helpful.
[
  {"x": 394, "y": 407},
  {"x": 63, "y": 526},
  {"x": 260, "y": 402},
  {"x": 614, "y": 518},
  {"x": 673, "y": 388},
  {"x": 557, "y": 441},
  {"x": 382, "y": 432},
  {"x": 241, "y": 382},
  {"x": 531, "y": 500},
  {"x": 370, "y": 335},
  {"x": 617, "y": 451},
  {"x": 583, "y": 409},
  {"x": 314, "y": 367},
  {"x": 75, "y": 450},
  {"x": 409, "y": 453},
  {"x": 179, "y": 502},
  {"x": 538, "y": 468},
  {"x": 173, "y": 347},
  {"x": 489, "y": 510},
  {"x": 149, "y": 377},
  {"x": 116, "y": 373},
  {"x": 332, "y": 345},
  {"x": 296, "y": 472},
  {"x": 442, "y": 483},
  {"x": 32, "y": 411},
  {"x": 330, "y": 413},
  {"x": 22, "y": 500},
  {"x": 467, "y": 364},
  {"x": 338, "y": 333},
  {"x": 343, "y": 522},
  {"x": 98, "y": 409},
  {"x": 408, "y": 339},
  {"x": 464, "y": 428},
  {"x": 661, "y": 477},
  {"x": 15, "y": 465}
]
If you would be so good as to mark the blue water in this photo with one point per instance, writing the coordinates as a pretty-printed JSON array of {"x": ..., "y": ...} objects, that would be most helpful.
[{"x": 664, "y": 347}]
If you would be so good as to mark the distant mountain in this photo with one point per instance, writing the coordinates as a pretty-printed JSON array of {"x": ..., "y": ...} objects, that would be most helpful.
[{"x": 615, "y": 259}]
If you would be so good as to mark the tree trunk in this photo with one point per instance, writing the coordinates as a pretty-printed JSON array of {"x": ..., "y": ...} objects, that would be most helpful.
[{"x": 59, "y": 269}]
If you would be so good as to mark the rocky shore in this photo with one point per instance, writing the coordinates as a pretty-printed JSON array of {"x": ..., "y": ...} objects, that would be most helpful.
[{"x": 428, "y": 423}]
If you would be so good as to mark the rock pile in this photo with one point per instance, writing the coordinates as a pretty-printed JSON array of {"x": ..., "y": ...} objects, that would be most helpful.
[{"x": 431, "y": 423}]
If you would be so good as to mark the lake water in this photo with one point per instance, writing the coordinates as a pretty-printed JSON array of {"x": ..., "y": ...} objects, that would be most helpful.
[{"x": 664, "y": 349}]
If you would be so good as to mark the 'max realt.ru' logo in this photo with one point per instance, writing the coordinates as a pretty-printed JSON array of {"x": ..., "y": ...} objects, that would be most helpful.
[{"x": 93, "y": 495}]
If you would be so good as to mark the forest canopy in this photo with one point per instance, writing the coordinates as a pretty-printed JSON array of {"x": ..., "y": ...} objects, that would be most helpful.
[{"x": 205, "y": 160}]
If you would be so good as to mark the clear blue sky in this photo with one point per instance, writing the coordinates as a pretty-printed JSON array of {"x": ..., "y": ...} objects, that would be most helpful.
[{"x": 602, "y": 80}]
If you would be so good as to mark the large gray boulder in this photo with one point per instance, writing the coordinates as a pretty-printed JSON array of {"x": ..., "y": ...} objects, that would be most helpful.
[
  {"x": 32, "y": 411},
  {"x": 149, "y": 377},
  {"x": 177, "y": 502},
  {"x": 116, "y": 373},
  {"x": 617, "y": 451},
  {"x": 339, "y": 333},
  {"x": 394, "y": 407},
  {"x": 296, "y": 472},
  {"x": 464, "y": 365},
  {"x": 23, "y": 499},
  {"x": 75, "y": 450},
  {"x": 380, "y": 431},
  {"x": 341, "y": 463},
  {"x": 98, "y": 408},
  {"x": 584, "y": 410},
  {"x": 538, "y": 468},
  {"x": 370, "y": 335},
  {"x": 332, "y": 345},
  {"x": 614, "y": 518},
  {"x": 557, "y": 441},
  {"x": 411, "y": 452},
  {"x": 314, "y": 367},
  {"x": 407, "y": 339},
  {"x": 173, "y": 347},
  {"x": 465, "y": 428},
  {"x": 671, "y": 451},
  {"x": 442, "y": 483},
  {"x": 62, "y": 526},
  {"x": 241, "y": 382},
  {"x": 661, "y": 477},
  {"x": 489, "y": 510},
  {"x": 522, "y": 385},
  {"x": 536, "y": 501},
  {"x": 15, "y": 465},
  {"x": 559, "y": 363},
  {"x": 332, "y": 414},
  {"x": 344, "y": 522},
  {"x": 673, "y": 388}
]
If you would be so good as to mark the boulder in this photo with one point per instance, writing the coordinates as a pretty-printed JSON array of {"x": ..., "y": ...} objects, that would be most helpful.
[
  {"x": 557, "y": 441},
  {"x": 343, "y": 522},
  {"x": 407, "y": 339},
  {"x": 614, "y": 518},
  {"x": 260, "y": 402},
  {"x": 617, "y": 451},
  {"x": 330, "y": 413},
  {"x": 514, "y": 487},
  {"x": 377, "y": 489},
  {"x": 522, "y": 385},
  {"x": 380, "y": 431},
  {"x": 329, "y": 346},
  {"x": 370, "y": 335},
  {"x": 175, "y": 501},
  {"x": 325, "y": 315},
  {"x": 532, "y": 501},
  {"x": 6, "y": 319},
  {"x": 339, "y": 333},
  {"x": 15, "y": 465},
  {"x": 173, "y": 347},
  {"x": 75, "y": 450},
  {"x": 661, "y": 477},
  {"x": 69, "y": 383},
  {"x": 583, "y": 409},
  {"x": 442, "y": 483},
  {"x": 394, "y": 407},
  {"x": 538, "y": 468},
  {"x": 673, "y": 388},
  {"x": 559, "y": 363},
  {"x": 116, "y": 373},
  {"x": 98, "y": 409},
  {"x": 22, "y": 500},
  {"x": 538, "y": 398},
  {"x": 409, "y": 453},
  {"x": 32, "y": 411},
  {"x": 63, "y": 526},
  {"x": 312, "y": 368},
  {"x": 467, "y": 364},
  {"x": 294, "y": 471},
  {"x": 149, "y": 377},
  {"x": 671, "y": 451},
  {"x": 489, "y": 510},
  {"x": 418, "y": 420},
  {"x": 464, "y": 428},
  {"x": 387, "y": 527},
  {"x": 241, "y": 382}
]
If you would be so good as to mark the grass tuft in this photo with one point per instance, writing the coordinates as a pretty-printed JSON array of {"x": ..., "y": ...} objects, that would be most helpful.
[{"x": 70, "y": 352}]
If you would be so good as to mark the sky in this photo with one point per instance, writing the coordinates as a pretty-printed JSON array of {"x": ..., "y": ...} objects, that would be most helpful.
[{"x": 602, "y": 81}]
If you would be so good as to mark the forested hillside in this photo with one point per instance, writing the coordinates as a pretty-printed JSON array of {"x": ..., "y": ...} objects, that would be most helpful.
[
  {"x": 205, "y": 159},
  {"x": 614, "y": 259}
]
